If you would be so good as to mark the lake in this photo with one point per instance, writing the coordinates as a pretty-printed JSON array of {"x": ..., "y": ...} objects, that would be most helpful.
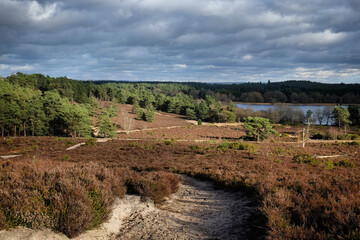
[{"x": 265, "y": 107}]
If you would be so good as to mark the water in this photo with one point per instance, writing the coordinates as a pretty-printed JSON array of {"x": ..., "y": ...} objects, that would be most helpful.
[{"x": 265, "y": 107}]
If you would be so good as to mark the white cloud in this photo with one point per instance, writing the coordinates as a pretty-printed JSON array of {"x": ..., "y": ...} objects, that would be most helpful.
[
  {"x": 311, "y": 39},
  {"x": 38, "y": 12},
  {"x": 180, "y": 66},
  {"x": 323, "y": 73},
  {"x": 247, "y": 57},
  {"x": 15, "y": 67}
]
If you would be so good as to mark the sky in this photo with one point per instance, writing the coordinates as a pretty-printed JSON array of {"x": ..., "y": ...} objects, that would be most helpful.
[{"x": 187, "y": 40}]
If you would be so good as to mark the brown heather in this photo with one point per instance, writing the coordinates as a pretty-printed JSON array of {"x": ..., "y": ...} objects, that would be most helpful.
[{"x": 300, "y": 200}]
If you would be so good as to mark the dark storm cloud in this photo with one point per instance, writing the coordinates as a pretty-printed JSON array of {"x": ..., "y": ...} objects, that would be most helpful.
[{"x": 204, "y": 40}]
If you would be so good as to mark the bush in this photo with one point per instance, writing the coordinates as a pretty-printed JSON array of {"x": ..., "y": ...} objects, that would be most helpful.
[
  {"x": 199, "y": 122},
  {"x": 9, "y": 141},
  {"x": 345, "y": 163},
  {"x": 279, "y": 150},
  {"x": 195, "y": 147},
  {"x": 349, "y": 136},
  {"x": 90, "y": 142},
  {"x": 225, "y": 145},
  {"x": 168, "y": 142},
  {"x": 68, "y": 200},
  {"x": 305, "y": 158},
  {"x": 348, "y": 144},
  {"x": 328, "y": 165}
]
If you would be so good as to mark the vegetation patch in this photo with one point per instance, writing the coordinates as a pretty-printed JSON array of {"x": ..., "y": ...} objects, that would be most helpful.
[
  {"x": 306, "y": 158},
  {"x": 345, "y": 163}
]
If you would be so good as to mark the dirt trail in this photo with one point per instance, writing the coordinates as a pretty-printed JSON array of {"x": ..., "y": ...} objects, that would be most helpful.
[{"x": 196, "y": 211}]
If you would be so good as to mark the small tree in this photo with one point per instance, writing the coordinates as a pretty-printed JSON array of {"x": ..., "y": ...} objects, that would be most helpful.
[
  {"x": 149, "y": 116},
  {"x": 342, "y": 115},
  {"x": 126, "y": 121},
  {"x": 319, "y": 115},
  {"x": 258, "y": 128},
  {"x": 231, "y": 107},
  {"x": 106, "y": 127},
  {"x": 135, "y": 108}
]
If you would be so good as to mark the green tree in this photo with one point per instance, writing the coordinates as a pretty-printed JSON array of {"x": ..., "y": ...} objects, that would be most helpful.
[
  {"x": 258, "y": 128},
  {"x": 136, "y": 108},
  {"x": 341, "y": 115},
  {"x": 231, "y": 107},
  {"x": 78, "y": 122},
  {"x": 203, "y": 110},
  {"x": 190, "y": 113},
  {"x": 149, "y": 115},
  {"x": 226, "y": 116},
  {"x": 106, "y": 127}
]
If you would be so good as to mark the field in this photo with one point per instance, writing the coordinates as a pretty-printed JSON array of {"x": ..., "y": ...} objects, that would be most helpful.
[{"x": 301, "y": 193}]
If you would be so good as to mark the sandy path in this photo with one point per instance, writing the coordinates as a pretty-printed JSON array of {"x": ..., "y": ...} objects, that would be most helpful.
[{"x": 196, "y": 211}]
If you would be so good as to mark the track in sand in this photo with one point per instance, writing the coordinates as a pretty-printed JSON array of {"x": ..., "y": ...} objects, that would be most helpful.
[{"x": 196, "y": 211}]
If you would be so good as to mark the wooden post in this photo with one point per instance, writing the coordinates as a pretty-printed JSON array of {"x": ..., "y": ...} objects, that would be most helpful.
[{"x": 303, "y": 138}]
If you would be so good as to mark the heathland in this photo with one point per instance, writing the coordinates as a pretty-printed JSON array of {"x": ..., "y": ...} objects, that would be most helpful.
[{"x": 302, "y": 179}]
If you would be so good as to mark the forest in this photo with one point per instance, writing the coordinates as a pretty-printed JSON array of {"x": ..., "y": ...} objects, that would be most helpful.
[{"x": 38, "y": 105}]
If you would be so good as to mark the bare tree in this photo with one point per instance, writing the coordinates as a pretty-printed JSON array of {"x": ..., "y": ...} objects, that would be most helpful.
[
  {"x": 127, "y": 121},
  {"x": 328, "y": 113},
  {"x": 319, "y": 115}
]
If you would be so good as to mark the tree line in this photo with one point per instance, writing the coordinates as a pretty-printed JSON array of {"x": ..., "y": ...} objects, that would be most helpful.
[{"x": 34, "y": 104}]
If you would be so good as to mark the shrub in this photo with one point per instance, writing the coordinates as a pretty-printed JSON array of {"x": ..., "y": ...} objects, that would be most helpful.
[
  {"x": 9, "y": 141},
  {"x": 90, "y": 142},
  {"x": 168, "y": 142},
  {"x": 279, "y": 150},
  {"x": 328, "y": 165},
  {"x": 159, "y": 185},
  {"x": 68, "y": 200},
  {"x": 100, "y": 210},
  {"x": 349, "y": 136},
  {"x": 195, "y": 147},
  {"x": 345, "y": 163},
  {"x": 225, "y": 145},
  {"x": 306, "y": 158},
  {"x": 199, "y": 122},
  {"x": 348, "y": 144},
  {"x": 284, "y": 135}
]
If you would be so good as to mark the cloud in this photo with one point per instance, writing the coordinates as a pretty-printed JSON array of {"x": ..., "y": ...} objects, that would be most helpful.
[
  {"x": 38, "y": 12},
  {"x": 180, "y": 66},
  {"x": 15, "y": 68},
  {"x": 204, "y": 40}
]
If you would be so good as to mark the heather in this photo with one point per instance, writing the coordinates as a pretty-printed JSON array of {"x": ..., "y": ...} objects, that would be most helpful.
[{"x": 301, "y": 194}]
